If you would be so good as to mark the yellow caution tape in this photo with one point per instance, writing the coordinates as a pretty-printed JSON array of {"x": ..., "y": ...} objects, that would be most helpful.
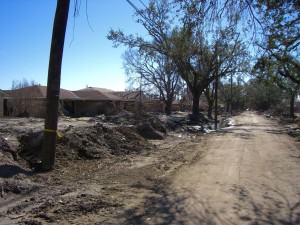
[{"x": 54, "y": 131}]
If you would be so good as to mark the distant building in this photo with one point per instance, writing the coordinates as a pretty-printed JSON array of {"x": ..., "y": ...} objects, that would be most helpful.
[
  {"x": 30, "y": 101},
  {"x": 94, "y": 101},
  {"x": 90, "y": 101},
  {"x": 3, "y": 103}
]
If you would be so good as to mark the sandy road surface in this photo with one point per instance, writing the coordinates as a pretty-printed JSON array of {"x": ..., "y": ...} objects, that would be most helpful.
[{"x": 249, "y": 175}]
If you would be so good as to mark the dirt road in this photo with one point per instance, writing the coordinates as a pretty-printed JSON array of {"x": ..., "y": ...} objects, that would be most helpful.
[
  {"x": 245, "y": 174},
  {"x": 250, "y": 174}
]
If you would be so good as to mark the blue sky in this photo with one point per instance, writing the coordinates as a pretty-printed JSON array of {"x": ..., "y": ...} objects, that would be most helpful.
[{"x": 90, "y": 59}]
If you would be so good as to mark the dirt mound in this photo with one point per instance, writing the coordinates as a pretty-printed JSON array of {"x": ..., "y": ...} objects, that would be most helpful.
[
  {"x": 13, "y": 186},
  {"x": 88, "y": 142},
  {"x": 148, "y": 131},
  {"x": 157, "y": 124},
  {"x": 124, "y": 117},
  {"x": 30, "y": 147},
  {"x": 6, "y": 150},
  {"x": 100, "y": 141}
]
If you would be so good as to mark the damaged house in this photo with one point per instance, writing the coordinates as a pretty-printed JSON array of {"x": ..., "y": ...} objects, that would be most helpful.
[
  {"x": 94, "y": 101},
  {"x": 3, "y": 103},
  {"x": 90, "y": 101},
  {"x": 136, "y": 100},
  {"x": 30, "y": 101}
]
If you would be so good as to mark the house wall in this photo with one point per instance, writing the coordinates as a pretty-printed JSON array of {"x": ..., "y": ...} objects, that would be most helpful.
[
  {"x": 132, "y": 106},
  {"x": 1, "y": 107},
  {"x": 94, "y": 108},
  {"x": 26, "y": 107},
  {"x": 88, "y": 108},
  {"x": 39, "y": 108},
  {"x": 155, "y": 106},
  {"x": 148, "y": 106},
  {"x": 176, "y": 107}
]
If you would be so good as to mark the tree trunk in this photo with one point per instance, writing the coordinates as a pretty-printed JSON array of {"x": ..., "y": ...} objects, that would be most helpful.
[
  {"x": 195, "y": 107},
  {"x": 209, "y": 94},
  {"x": 53, "y": 85},
  {"x": 229, "y": 107},
  {"x": 292, "y": 105},
  {"x": 210, "y": 109},
  {"x": 168, "y": 107}
]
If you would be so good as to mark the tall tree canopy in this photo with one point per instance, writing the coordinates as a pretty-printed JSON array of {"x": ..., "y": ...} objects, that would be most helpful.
[
  {"x": 280, "y": 26},
  {"x": 270, "y": 70},
  {"x": 262, "y": 96},
  {"x": 200, "y": 38}
]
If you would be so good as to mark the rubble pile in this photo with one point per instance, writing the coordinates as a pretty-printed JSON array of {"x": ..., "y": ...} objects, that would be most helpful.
[
  {"x": 87, "y": 142},
  {"x": 6, "y": 150}
]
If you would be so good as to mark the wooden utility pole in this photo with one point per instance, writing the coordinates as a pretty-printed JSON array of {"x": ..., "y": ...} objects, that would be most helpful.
[
  {"x": 216, "y": 103},
  {"x": 231, "y": 94},
  {"x": 53, "y": 85}
]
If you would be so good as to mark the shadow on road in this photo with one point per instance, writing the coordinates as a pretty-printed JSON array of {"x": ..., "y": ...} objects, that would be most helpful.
[
  {"x": 7, "y": 171},
  {"x": 245, "y": 132},
  {"x": 272, "y": 206},
  {"x": 164, "y": 206}
]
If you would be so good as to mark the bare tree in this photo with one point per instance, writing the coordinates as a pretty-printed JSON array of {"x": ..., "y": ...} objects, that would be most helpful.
[
  {"x": 154, "y": 72},
  {"x": 199, "y": 44},
  {"x": 17, "y": 84},
  {"x": 53, "y": 86},
  {"x": 22, "y": 102}
]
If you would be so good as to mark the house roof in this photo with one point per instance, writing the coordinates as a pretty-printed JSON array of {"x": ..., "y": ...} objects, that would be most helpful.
[
  {"x": 89, "y": 93},
  {"x": 38, "y": 91},
  {"x": 92, "y": 93},
  {"x": 3, "y": 94},
  {"x": 130, "y": 95},
  {"x": 96, "y": 89}
]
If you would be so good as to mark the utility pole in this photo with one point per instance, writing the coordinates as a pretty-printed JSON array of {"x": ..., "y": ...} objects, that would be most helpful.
[
  {"x": 53, "y": 85},
  {"x": 140, "y": 98},
  {"x": 216, "y": 89},
  {"x": 216, "y": 103},
  {"x": 231, "y": 93}
]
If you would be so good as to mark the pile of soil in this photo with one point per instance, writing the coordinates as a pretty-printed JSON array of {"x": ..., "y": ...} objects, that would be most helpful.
[
  {"x": 100, "y": 141},
  {"x": 105, "y": 173},
  {"x": 99, "y": 167},
  {"x": 290, "y": 125},
  {"x": 88, "y": 152},
  {"x": 6, "y": 150},
  {"x": 86, "y": 142}
]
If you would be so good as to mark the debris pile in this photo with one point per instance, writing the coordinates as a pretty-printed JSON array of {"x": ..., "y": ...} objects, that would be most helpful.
[
  {"x": 87, "y": 142},
  {"x": 146, "y": 130},
  {"x": 7, "y": 152}
]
